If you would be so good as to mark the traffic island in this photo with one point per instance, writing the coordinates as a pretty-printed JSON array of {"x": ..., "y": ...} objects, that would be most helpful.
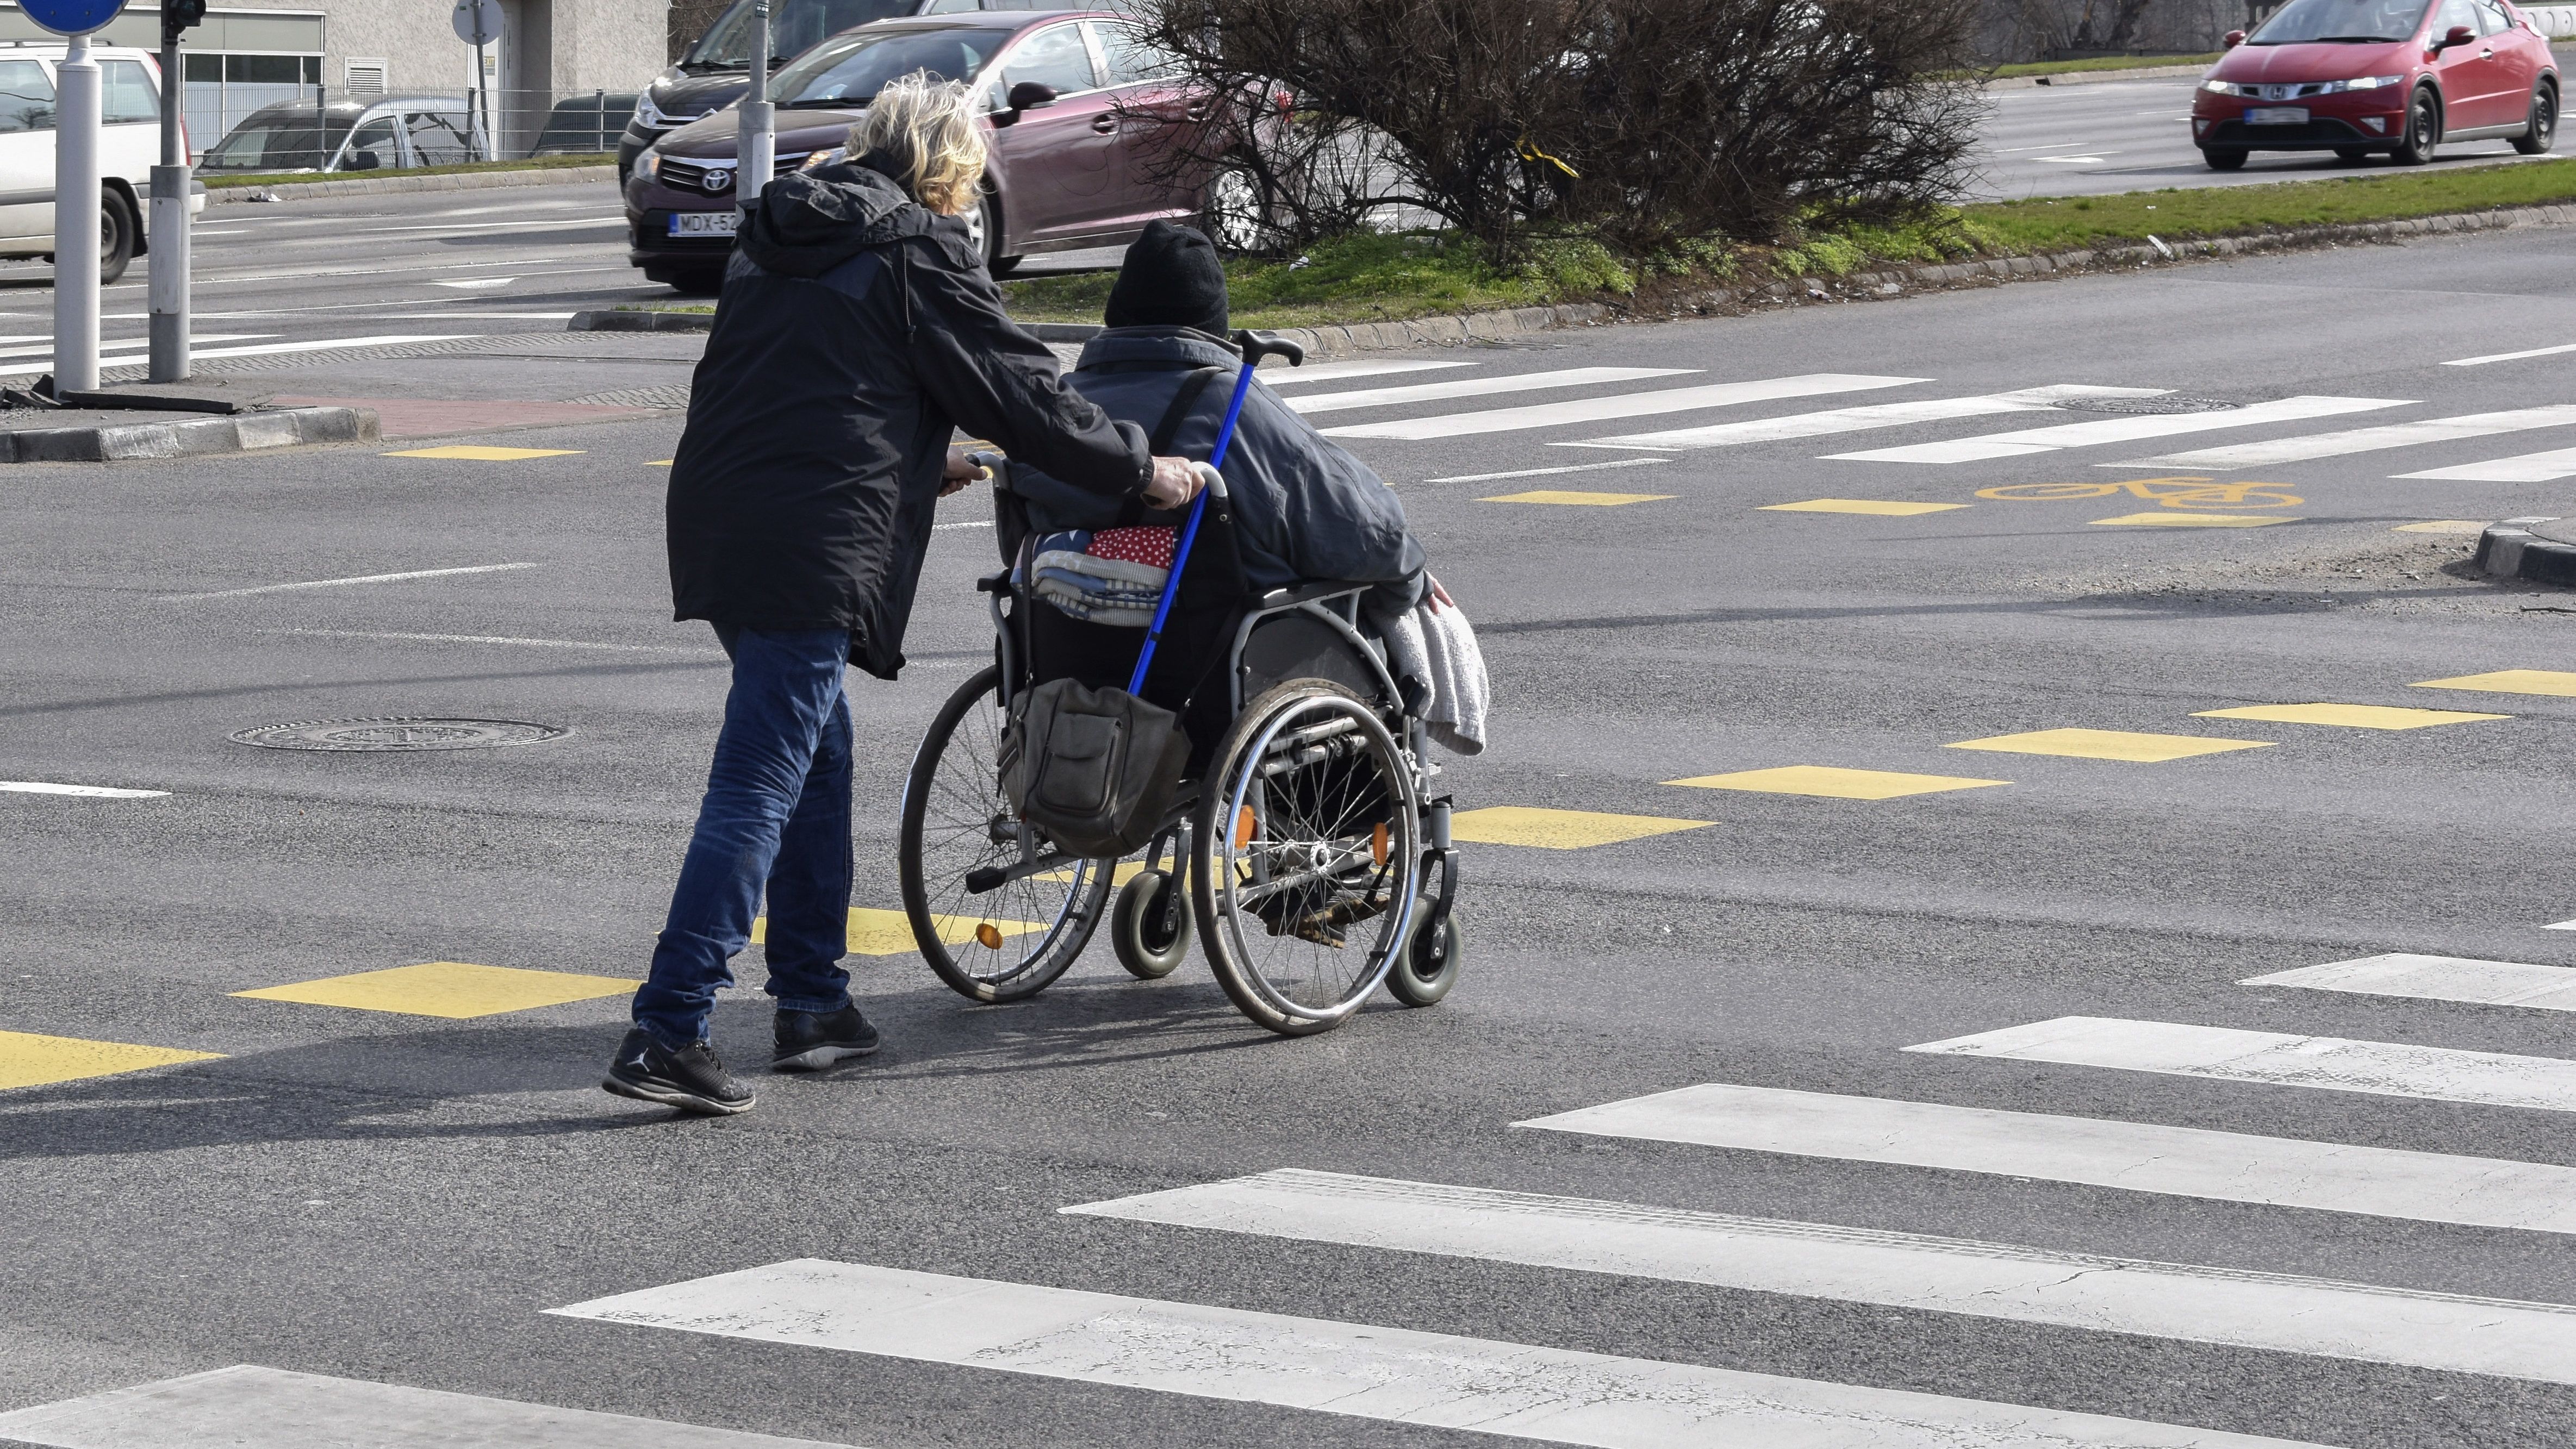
[
  {"x": 107, "y": 435},
  {"x": 2531, "y": 550}
]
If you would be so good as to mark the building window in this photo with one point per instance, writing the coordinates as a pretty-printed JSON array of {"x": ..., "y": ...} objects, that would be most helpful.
[{"x": 223, "y": 89}]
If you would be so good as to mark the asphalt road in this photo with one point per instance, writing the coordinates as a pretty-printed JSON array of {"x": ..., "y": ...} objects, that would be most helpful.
[{"x": 381, "y": 1198}]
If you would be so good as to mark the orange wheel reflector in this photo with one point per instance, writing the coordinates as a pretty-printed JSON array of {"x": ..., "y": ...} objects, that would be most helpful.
[
  {"x": 1243, "y": 827},
  {"x": 1377, "y": 842},
  {"x": 989, "y": 935}
]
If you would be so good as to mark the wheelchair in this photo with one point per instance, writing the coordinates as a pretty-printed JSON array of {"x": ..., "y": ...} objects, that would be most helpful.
[{"x": 1315, "y": 863}]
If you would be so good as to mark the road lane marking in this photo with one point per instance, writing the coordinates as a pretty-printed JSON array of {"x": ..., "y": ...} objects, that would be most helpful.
[
  {"x": 1545, "y": 829},
  {"x": 1625, "y": 405},
  {"x": 1547, "y": 472},
  {"x": 91, "y": 792},
  {"x": 45, "y": 344},
  {"x": 357, "y": 579},
  {"x": 1857, "y": 419},
  {"x": 2347, "y": 716},
  {"x": 1378, "y": 397},
  {"x": 2443, "y": 525},
  {"x": 2367, "y": 440},
  {"x": 2560, "y": 926},
  {"x": 1329, "y": 371},
  {"x": 495, "y": 639},
  {"x": 2554, "y": 682},
  {"x": 30, "y": 1060},
  {"x": 1561, "y": 496},
  {"x": 2546, "y": 467},
  {"x": 248, "y": 1404},
  {"x": 484, "y": 453},
  {"x": 256, "y": 350},
  {"x": 876, "y": 932},
  {"x": 2194, "y": 520},
  {"x": 2280, "y": 1312},
  {"x": 1834, "y": 783},
  {"x": 2437, "y": 978},
  {"x": 451, "y": 990},
  {"x": 1364, "y": 1371},
  {"x": 2194, "y": 1162},
  {"x": 2129, "y": 745},
  {"x": 1877, "y": 506},
  {"x": 2117, "y": 430},
  {"x": 2511, "y": 356},
  {"x": 2324, "y": 1063}
]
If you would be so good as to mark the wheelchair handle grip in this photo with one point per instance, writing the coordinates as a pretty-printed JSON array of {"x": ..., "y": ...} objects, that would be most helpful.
[
  {"x": 1258, "y": 345},
  {"x": 990, "y": 462}
]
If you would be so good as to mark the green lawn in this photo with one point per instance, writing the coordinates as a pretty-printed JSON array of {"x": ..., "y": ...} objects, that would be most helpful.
[
  {"x": 2105, "y": 62},
  {"x": 306, "y": 178},
  {"x": 2065, "y": 223}
]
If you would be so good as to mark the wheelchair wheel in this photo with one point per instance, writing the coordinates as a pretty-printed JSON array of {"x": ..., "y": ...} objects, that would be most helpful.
[
  {"x": 1007, "y": 943},
  {"x": 1145, "y": 948},
  {"x": 1428, "y": 967},
  {"x": 1305, "y": 859}
]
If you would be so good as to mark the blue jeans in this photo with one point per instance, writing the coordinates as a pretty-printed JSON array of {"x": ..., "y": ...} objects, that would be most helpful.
[{"x": 776, "y": 814}]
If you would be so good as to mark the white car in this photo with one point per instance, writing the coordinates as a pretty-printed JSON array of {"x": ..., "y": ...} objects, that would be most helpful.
[{"x": 130, "y": 142}]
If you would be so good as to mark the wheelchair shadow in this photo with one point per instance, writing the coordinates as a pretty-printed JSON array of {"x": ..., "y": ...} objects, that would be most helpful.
[{"x": 1074, "y": 1025}]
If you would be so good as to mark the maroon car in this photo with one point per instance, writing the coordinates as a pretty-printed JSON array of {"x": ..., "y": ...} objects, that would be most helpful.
[{"x": 1088, "y": 132}]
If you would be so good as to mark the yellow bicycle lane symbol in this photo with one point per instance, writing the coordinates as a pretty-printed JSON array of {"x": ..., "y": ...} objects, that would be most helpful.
[{"x": 2178, "y": 492}]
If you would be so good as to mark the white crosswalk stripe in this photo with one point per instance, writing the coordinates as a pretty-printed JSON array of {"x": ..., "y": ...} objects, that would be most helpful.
[
  {"x": 2119, "y": 430},
  {"x": 2546, "y": 467},
  {"x": 1365, "y": 1371},
  {"x": 2438, "y": 978},
  {"x": 31, "y": 369},
  {"x": 1379, "y": 397},
  {"x": 2136, "y": 1156},
  {"x": 2276, "y": 451},
  {"x": 2277, "y": 1311},
  {"x": 2388, "y": 1069},
  {"x": 274, "y": 1409},
  {"x": 1629, "y": 405},
  {"x": 1332, "y": 371},
  {"x": 1858, "y": 419}
]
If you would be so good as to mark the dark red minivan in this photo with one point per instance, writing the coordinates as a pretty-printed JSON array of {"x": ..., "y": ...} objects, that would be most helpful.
[
  {"x": 1083, "y": 139},
  {"x": 2394, "y": 77}
]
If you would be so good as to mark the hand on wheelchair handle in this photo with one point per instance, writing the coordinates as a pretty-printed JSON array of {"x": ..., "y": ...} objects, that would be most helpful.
[{"x": 1175, "y": 482}]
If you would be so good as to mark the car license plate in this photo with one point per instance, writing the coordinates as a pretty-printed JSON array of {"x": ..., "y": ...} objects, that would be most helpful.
[
  {"x": 714, "y": 223},
  {"x": 2277, "y": 116}
]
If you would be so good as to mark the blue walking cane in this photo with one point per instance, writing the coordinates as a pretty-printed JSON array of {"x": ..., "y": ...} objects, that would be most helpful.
[{"x": 1255, "y": 345}]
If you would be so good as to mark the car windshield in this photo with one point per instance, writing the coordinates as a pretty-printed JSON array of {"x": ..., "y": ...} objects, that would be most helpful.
[
  {"x": 795, "y": 26},
  {"x": 284, "y": 142},
  {"x": 849, "y": 70},
  {"x": 2306, "y": 22}
]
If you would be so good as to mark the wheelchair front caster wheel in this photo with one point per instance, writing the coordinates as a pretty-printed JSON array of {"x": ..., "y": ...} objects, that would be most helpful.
[
  {"x": 1145, "y": 948},
  {"x": 1428, "y": 967}
]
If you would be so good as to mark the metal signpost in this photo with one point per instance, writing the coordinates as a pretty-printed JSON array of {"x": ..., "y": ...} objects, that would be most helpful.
[
  {"x": 168, "y": 228},
  {"x": 478, "y": 24},
  {"x": 756, "y": 154},
  {"x": 76, "y": 183}
]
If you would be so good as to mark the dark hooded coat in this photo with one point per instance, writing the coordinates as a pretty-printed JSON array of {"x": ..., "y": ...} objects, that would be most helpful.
[{"x": 856, "y": 331}]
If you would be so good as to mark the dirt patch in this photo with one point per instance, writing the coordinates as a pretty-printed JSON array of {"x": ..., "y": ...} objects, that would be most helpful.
[{"x": 2340, "y": 568}]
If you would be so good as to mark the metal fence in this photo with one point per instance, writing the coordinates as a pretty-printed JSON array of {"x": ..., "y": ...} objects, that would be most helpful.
[{"x": 309, "y": 127}]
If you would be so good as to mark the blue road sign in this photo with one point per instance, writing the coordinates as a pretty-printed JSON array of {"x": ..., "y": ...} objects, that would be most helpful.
[{"x": 72, "y": 17}]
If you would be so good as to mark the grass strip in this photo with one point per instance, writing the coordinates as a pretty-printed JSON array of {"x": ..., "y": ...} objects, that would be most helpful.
[
  {"x": 2101, "y": 62},
  {"x": 2068, "y": 222},
  {"x": 308, "y": 178}
]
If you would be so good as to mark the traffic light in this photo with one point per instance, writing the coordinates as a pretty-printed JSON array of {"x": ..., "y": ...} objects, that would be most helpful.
[{"x": 178, "y": 15}]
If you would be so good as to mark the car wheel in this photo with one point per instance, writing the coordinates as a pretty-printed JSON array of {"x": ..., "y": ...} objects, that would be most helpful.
[
  {"x": 2349, "y": 154},
  {"x": 2423, "y": 130},
  {"x": 2227, "y": 160},
  {"x": 1236, "y": 212},
  {"x": 2543, "y": 132},
  {"x": 984, "y": 229},
  {"x": 115, "y": 235}
]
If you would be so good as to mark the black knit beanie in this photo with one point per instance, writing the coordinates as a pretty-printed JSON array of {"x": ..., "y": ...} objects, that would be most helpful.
[{"x": 1171, "y": 279}]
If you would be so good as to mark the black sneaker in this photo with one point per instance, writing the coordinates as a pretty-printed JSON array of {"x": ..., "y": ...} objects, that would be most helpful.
[
  {"x": 690, "y": 1078},
  {"x": 811, "y": 1040}
]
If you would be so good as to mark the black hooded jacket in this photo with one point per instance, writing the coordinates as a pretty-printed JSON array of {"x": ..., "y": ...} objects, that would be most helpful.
[{"x": 856, "y": 330}]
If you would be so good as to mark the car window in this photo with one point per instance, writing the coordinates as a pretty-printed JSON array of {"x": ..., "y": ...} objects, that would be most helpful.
[
  {"x": 26, "y": 97},
  {"x": 2455, "y": 13},
  {"x": 126, "y": 93},
  {"x": 2491, "y": 20},
  {"x": 795, "y": 26},
  {"x": 439, "y": 137},
  {"x": 947, "y": 7},
  {"x": 1130, "y": 59},
  {"x": 1055, "y": 56},
  {"x": 851, "y": 69},
  {"x": 2304, "y": 21},
  {"x": 377, "y": 135}
]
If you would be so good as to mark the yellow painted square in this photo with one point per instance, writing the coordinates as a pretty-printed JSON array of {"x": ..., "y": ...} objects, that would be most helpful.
[
  {"x": 2110, "y": 745},
  {"x": 478, "y": 453},
  {"x": 28, "y": 1060},
  {"x": 455, "y": 990},
  {"x": 1834, "y": 783},
  {"x": 661, "y": 463},
  {"x": 1559, "y": 829},
  {"x": 1559, "y": 495},
  {"x": 2511, "y": 681},
  {"x": 2442, "y": 525},
  {"x": 2163, "y": 518},
  {"x": 1878, "y": 506},
  {"x": 876, "y": 932},
  {"x": 1119, "y": 874},
  {"x": 2350, "y": 716}
]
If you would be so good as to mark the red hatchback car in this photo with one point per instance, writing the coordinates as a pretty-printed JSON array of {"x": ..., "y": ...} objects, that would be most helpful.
[
  {"x": 1087, "y": 142},
  {"x": 2398, "y": 77}
]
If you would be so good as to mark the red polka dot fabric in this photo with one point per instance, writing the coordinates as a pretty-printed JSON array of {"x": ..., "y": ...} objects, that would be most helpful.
[{"x": 1151, "y": 547}]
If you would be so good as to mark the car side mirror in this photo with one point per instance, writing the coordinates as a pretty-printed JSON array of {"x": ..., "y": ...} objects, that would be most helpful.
[
  {"x": 1029, "y": 95},
  {"x": 2234, "y": 39},
  {"x": 363, "y": 161},
  {"x": 2459, "y": 35}
]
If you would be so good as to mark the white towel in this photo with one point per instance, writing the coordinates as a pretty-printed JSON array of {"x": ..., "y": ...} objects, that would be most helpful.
[{"x": 1433, "y": 644}]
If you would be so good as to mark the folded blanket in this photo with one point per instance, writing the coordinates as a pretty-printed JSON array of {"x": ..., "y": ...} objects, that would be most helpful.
[
  {"x": 1433, "y": 645},
  {"x": 1105, "y": 576}
]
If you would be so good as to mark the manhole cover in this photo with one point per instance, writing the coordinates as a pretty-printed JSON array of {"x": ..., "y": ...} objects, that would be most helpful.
[
  {"x": 2149, "y": 405},
  {"x": 398, "y": 734}
]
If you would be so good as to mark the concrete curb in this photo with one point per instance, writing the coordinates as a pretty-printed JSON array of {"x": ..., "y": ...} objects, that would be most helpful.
[
  {"x": 395, "y": 185},
  {"x": 2510, "y": 550},
  {"x": 238, "y": 433},
  {"x": 632, "y": 321},
  {"x": 2189, "y": 71}
]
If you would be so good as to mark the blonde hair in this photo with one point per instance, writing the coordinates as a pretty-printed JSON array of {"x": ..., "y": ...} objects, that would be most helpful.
[{"x": 932, "y": 130}]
